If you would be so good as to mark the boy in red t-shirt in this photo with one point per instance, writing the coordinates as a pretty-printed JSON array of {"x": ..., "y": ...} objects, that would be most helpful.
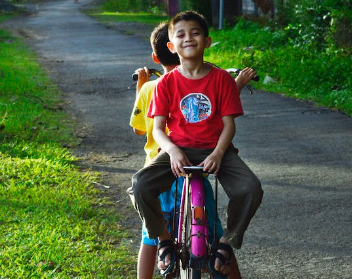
[{"x": 198, "y": 103}]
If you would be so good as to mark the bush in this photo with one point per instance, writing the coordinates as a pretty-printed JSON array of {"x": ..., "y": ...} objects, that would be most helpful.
[{"x": 318, "y": 25}]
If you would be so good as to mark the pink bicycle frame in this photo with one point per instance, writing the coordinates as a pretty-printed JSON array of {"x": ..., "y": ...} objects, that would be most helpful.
[{"x": 199, "y": 230}]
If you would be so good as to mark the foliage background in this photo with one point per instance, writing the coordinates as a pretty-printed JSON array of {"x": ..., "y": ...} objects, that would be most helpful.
[{"x": 305, "y": 49}]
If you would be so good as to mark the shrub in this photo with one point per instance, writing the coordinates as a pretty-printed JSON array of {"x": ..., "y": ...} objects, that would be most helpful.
[{"x": 318, "y": 25}]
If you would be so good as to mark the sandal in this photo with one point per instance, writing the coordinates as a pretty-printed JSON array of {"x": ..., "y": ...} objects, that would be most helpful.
[
  {"x": 169, "y": 250},
  {"x": 224, "y": 261}
]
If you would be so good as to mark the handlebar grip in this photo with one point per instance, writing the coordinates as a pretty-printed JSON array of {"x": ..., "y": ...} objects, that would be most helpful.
[
  {"x": 237, "y": 72},
  {"x": 135, "y": 76},
  {"x": 151, "y": 72},
  {"x": 256, "y": 78}
]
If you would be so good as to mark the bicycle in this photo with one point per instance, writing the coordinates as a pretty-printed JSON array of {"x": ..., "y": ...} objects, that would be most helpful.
[
  {"x": 192, "y": 240},
  {"x": 190, "y": 233}
]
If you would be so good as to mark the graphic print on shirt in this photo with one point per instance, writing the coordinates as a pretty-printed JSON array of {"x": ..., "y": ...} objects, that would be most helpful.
[{"x": 195, "y": 107}]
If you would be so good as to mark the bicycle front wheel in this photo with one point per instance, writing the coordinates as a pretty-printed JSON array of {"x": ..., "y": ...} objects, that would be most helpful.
[
  {"x": 192, "y": 234},
  {"x": 190, "y": 273},
  {"x": 186, "y": 272}
]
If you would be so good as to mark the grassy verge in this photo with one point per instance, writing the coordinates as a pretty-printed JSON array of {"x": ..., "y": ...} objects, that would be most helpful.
[
  {"x": 146, "y": 18},
  {"x": 52, "y": 222},
  {"x": 125, "y": 21}
]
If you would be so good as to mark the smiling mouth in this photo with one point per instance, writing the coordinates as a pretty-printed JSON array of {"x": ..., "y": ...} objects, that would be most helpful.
[{"x": 189, "y": 46}]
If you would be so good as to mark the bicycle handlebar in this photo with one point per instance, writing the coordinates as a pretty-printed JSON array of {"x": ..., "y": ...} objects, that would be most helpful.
[
  {"x": 151, "y": 72},
  {"x": 194, "y": 169},
  {"x": 158, "y": 73},
  {"x": 237, "y": 72}
]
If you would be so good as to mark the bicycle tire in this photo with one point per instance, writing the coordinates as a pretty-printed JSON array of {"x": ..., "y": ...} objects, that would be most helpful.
[
  {"x": 188, "y": 272},
  {"x": 185, "y": 270}
]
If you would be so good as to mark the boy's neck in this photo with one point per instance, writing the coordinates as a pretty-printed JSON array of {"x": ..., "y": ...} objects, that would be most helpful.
[
  {"x": 168, "y": 68},
  {"x": 194, "y": 70}
]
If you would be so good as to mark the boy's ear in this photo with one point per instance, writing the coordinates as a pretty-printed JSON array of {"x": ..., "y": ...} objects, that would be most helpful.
[
  {"x": 170, "y": 46},
  {"x": 155, "y": 58},
  {"x": 207, "y": 42}
]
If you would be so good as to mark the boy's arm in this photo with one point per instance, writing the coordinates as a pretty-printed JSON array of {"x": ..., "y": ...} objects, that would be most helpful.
[
  {"x": 213, "y": 162},
  {"x": 143, "y": 77},
  {"x": 178, "y": 159},
  {"x": 244, "y": 77}
]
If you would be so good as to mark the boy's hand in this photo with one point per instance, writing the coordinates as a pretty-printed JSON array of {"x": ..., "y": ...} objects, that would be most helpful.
[
  {"x": 143, "y": 77},
  {"x": 178, "y": 159},
  {"x": 212, "y": 163},
  {"x": 244, "y": 77}
]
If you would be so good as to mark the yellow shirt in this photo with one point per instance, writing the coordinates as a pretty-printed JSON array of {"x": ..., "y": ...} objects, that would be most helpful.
[{"x": 140, "y": 121}]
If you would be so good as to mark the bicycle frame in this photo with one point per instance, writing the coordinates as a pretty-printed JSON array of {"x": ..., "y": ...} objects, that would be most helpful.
[
  {"x": 192, "y": 241},
  {"x": 199, "y": 230}
]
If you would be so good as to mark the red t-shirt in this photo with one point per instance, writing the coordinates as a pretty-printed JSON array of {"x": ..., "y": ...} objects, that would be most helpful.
[{"x": 194, "y": 107}]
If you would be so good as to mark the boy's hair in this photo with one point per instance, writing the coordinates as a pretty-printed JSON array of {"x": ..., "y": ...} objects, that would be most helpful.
[
  {"x": 188, "y": 16},
  {"x": 159, "y": 39}
]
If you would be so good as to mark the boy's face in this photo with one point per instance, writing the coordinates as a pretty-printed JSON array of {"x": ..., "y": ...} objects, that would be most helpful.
[{"x": 188, "y": 40}]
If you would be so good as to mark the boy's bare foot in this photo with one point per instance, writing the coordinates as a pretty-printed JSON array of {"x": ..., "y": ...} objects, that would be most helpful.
[
  {"x": 163, "y": 264},
  {"x": 166, "y": 253},
  {"x": 219, "y": 266},
  {"x": 220, "y": 262},
  {"x": 166, "y": 256}
]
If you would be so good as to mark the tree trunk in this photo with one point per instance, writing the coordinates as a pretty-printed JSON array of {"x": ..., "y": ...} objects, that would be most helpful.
[{"x": 172, "y": 7}]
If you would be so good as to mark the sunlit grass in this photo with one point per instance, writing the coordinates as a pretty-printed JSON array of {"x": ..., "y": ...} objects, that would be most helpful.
[
  {"x": 29, "y": 103},
  {"x": 148, "y": 18},
  {"x": 53, "y": 222}
]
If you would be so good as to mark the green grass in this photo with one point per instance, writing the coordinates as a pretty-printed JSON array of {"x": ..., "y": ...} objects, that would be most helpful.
[
  {"x": 26, "y": 108},
  {"x": 4, "y": 17},
  {"x": 53, "y": 222},
  {"x": 147, "y": 18}
]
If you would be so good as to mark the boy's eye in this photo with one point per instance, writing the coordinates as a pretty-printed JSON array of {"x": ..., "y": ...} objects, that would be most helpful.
[{"x": 180, "y": 36}]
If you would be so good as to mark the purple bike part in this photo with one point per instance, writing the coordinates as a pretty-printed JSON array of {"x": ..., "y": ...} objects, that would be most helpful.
[{"x": 199, "y": 231}]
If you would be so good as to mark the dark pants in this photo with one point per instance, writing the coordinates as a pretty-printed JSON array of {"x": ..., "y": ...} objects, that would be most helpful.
[{"x": 240, "y": 184}]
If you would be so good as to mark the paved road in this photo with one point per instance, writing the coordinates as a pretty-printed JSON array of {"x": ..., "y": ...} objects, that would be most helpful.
[{"x": 301, "y": 153}]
